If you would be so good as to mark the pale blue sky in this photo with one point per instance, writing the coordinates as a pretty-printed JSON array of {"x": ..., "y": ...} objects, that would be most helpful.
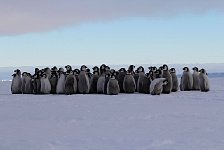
[{"x": 182, "y": 38}]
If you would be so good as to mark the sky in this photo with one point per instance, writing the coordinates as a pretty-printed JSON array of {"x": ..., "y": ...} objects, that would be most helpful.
[{"x": 56, "y": 32}]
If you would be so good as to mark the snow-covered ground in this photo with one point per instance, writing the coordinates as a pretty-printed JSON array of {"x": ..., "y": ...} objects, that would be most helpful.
[{"x": 178, "y": 121}]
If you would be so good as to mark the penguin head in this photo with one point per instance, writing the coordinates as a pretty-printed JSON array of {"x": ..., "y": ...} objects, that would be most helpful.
[
  {"x": 147, "y": 75},
  {"x": 113, "y": 75},
  {"x": 17, "y": 71},
  {"x": 102, "y": 67},
  {"x": 95, "y": 68},
  {"x": 14, "y": 74},
  {"x": 36, "y": 70},
  {"x": 140, "y": 69},
  {"x": 83, "y": 68},
  {"x": 54, "y": 68},
  {"x": 24, "y": 74},
  {"x": 172, "y": 70},
  {"x": 136, "y": 71},
  {"x": 76, "y": 71},
  {"x": 122, "y": 70},
  {"x": 44, "y": 75},
  {"x": 68, "y": 67},
  {"x": 96, "y": 72},
  {"x": 203, "y": 71},
  {"x": 158, "y": 72},
  {"x": 61, "y": 70},
  {"x": 131, "y": 68},
  {"x": 129, "y": 72},
  {"x": 186, "y": 69},
  {"x": 195, "y": 69},
  {"x": 112, "y": 71},
  {"x": 152, "y": 68},
  {"x": 165, "y": 67},
  {"x": 151, "y": 73}
]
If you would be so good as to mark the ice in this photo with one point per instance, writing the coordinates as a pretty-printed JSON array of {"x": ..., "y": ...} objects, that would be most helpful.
[{"x": 179, "y": 121}]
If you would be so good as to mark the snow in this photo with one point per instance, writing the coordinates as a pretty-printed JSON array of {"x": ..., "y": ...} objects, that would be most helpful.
[{"x": 178, "y": 121}]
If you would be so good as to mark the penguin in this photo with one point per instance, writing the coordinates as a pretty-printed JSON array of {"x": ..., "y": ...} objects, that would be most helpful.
[
  {"x": 107, "y": 78},
  {"x": 136, "y": 76},
  {"x": 76, "y": 73},
  {"x": 174, "y": 80},
  {"x": 28, "y": 84},
  {"x": 47, "y": 72},
  {"x": 196, "y": 85},
  {"x": 187, "y": 80},
  {"x": 83, "y": 83},
  {"x": 158, "y": 74},
  {"x": 166, "y": 74},
  {"x": 24, "y": 75},
  {"x": 70, "y": 83},
  {"x": 54, "y": 80},
  {"x": 131, "y": 69},
  {"x": 60, "y": 88},
  {"x": 45, "y": 84},
  {"x": 129, "y": 82},
  {"x": 153, "y": 70},
  {"x": 113, "y": 86},
  {"x": 94, "y": 79},
  {"x": 156, "y": 87},
  {"x": 204, "y": 81},
  {"x": 37, "y": 82},
  {"x": 146, "y": 82},
  {"x": 16, "y": 85},
  {"x": 101, "y": 80},
  {"x": 140, "y": 79},
  {"x": 102, "y": 69},
  {"x": 120, "y": 78}
]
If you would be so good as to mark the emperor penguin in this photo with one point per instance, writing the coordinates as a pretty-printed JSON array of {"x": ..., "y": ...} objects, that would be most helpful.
[
  {"x": 101, "y": 80},
  {"x": 94, "y": 79},
  {"x": 187, "y": 80},
  {"x": 37, "y": 82},
  {"x": 24, "y": 75},
  {"x": 28, "y": 84},
  {"x": 129, "y": 82},
  {"x": 60, "y": 89},
  {"x": 113, "y": 86},
  {"x": 196, "y": 84},
  {"x": 68, "y": 69},
  {"x": 45, "y": 84},
  {"x": 16, "y": 85},
  {"x": 166, "y": 74},
  {"x": 47, "y": 72},
  {"x": 156, "y": 87},
  {"x": 76, "y": 72},
  {"x": 136, "y": 76},
  {"x": 107, "y": 78},
  {"x": 158, "y": 73},
  {"x": 153, "y": 70},
  {"x": 175, "y": 81},
  {"x": 140, "y": 79},
  {"x": 54, "y": 80},
  {"x": 102, "y": 69},
  {"x": 83, "y": 83},
  {"x": 70, "y": 83},
  {"x": 146, "y": 82},
  {"x": 204, "y": 81},
  {"x": 131, "y": 69},
  {"x": 120, "y": 78}
]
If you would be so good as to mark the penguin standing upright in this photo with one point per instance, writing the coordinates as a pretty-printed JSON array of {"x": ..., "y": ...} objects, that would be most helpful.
[
  {"x": 16, "y": 85},
  {"x": 174, "y": 80},
  {"x": 146, "y": 82},
  {"x": 76, "y": 72},
  {"x": 187, "y": 80},
  {"x": 129, "y": 82},
  {"x": 83, "y": 83},
  {"x": 107, "y": 78},
  {"x": 204, "y": 81},
  {"x": 60, "y": 89},
  {"x": 24, "y": 75},
  {"x": 113, "y": 86},
  {"x": 158, "y": 73},
  {"x": 101, "y": 80},
  {"x": 153, "y": 70},
  {"x": 54, "y": 80},
  {"x": 140, "y": 79},
  {"x": 37, "y": 81},
  {"x": 28, "y": 84},
  {"x": 166, "y": 74},
  {"x": 93, "y": 80},
  {"x": 120, "y": 78},
  {"x": 45, "y": 84},
  {"x": 68, "y": 69},
  {"x": 156, "y": 87},
  {"x": 136, "y": 76},
  {"x": 70, "y": 83},
  {"x": 196, "y": 84}
]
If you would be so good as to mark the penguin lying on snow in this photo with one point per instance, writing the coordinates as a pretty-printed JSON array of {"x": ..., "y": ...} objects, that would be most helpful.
[{"x": 156, "y": 87}]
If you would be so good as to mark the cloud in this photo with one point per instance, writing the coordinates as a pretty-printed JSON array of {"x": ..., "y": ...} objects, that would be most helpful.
[{"x": 24, "y": 16}]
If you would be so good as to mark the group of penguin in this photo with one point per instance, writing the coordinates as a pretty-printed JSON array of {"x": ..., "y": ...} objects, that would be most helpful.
[{"x": 104, "y": 80}]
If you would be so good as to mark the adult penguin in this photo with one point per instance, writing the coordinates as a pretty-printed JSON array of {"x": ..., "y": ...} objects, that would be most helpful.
[
  {"x": 45, "y": 84},
  {"x": 16, "y": 85},
  {"x": 113, "y": 86},
  {"x": 156, "y": 87},
  {"x": 120, "y": 78},
  {"x": 94, "y": 79},
  {"x": 204, "y": 81},
  {"x": 140, "y": 79},
  {"x": 60, "y": 89},
  {"x": 187, "y": 80},
  {"x": 196, "y": 84},
  {"x": 54, "y": 80},
  {"x": 174, "y": 80},
  {"x": 146, "y": 82},
  {"x": 166, "y": 74},
  {"x": 70, "y": 83},
  {"x": 129, "y": 82},
  {"x": 83, "y": 83}
]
